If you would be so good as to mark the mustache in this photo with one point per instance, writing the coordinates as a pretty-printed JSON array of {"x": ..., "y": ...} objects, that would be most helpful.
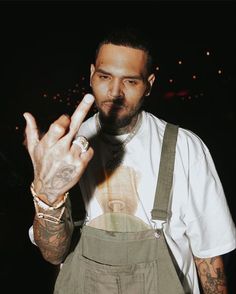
[{"x": 118, "y": 102}]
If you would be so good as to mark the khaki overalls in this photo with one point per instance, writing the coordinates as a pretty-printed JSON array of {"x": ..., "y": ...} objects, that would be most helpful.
[{"x": 109, "y": 262}]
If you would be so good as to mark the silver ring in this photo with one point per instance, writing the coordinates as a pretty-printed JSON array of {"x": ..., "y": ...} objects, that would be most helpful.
[{"x": 82, "y": 142}]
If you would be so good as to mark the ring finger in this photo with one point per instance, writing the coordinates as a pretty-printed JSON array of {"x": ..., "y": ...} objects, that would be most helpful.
[{"x": 79, "y": 145}]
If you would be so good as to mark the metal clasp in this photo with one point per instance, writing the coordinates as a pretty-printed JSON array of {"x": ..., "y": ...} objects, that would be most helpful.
[{"x": 157, "y": 233}]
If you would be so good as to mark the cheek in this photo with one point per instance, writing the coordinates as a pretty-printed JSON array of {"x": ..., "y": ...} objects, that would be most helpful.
[
  {"x": 134, "y": 95},
  {"x": 99, "y": 88}
]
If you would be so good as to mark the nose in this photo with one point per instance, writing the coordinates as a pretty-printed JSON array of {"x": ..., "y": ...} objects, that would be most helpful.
[{"x": 116, "y": 89}]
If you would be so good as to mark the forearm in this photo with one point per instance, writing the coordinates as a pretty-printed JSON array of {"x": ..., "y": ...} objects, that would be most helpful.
[
  {"x": 53, "y": 239},
  {"x": 211, "y": 274}
]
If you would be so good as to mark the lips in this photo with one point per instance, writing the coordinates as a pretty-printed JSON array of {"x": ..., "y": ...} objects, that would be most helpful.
[{"x": 111, "y": 106}]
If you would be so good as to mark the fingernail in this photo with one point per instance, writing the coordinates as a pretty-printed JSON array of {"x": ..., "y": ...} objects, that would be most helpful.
[{"x": 88, "y": 98}]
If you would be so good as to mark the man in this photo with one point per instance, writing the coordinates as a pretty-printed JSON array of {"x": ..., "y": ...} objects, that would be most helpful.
[{"x": 156, "y": 212}]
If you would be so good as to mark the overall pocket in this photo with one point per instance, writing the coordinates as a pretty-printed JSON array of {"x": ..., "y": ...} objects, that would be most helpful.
[{"x": 102, "y": 283}]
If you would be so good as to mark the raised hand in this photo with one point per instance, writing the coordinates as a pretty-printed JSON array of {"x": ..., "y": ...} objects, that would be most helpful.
[{"x": 58, "y": 163}]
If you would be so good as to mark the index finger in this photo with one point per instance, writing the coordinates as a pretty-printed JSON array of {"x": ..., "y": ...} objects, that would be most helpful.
[{"x": 80, "y": 114}]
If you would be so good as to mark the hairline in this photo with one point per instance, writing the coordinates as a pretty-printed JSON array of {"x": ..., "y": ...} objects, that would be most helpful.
[{"x": 149, "y": 63}]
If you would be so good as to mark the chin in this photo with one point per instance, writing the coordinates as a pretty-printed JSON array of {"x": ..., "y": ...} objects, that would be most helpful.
[{"x": 114, "y": 118}]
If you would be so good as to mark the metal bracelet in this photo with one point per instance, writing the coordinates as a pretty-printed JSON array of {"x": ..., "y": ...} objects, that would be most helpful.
[{"x": 43, "y": 204}]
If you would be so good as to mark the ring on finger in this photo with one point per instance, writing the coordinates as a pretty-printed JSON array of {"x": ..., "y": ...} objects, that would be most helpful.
[{"x": 82, "y": 142}]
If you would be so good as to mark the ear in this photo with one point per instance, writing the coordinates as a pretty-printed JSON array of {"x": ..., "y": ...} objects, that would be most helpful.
[
  {"x": 92, "y": 70},
  {"x": 150, "y": 82}
]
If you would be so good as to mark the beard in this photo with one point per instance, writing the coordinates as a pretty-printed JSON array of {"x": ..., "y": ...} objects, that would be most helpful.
[{"x": 111, "y": 119}]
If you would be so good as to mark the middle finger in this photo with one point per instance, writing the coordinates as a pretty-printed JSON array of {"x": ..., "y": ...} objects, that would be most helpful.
[{"x": 78, "y": 117}]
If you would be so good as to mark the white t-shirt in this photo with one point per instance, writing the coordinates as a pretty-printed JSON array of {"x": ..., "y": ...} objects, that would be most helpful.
[{"x": 200, "y": 222}]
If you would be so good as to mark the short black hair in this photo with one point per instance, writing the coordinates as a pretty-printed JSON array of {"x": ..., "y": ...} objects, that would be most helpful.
[{"x": 129, "y": 37}]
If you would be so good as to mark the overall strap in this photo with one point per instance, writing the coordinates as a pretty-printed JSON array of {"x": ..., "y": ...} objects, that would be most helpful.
[{"x": 165, "y": 176}]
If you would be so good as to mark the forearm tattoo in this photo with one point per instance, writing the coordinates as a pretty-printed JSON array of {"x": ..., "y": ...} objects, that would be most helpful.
[
  {"x": 211, "y": 274},
  {"x": 53, "y": 239}
]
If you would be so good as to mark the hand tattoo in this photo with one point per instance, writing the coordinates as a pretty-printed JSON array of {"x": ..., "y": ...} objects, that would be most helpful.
[
  {"x": 63, "y": 176},
  {"x": 54, "y": 185}
]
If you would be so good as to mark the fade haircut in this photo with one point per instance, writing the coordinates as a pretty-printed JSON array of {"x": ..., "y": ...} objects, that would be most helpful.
[{"x": 132, "y": 38}]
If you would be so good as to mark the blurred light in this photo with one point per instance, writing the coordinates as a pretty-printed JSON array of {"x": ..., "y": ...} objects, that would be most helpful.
[
  {"x": 180, "y": 62},
  {"x": 182, "y": 93},
  {"x": 169, "y": 95}
]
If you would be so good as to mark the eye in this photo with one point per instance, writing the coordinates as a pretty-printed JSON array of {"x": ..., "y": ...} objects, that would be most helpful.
[
  {"x": 132, "y": 82},
  {"x": 103, "y": 77}
]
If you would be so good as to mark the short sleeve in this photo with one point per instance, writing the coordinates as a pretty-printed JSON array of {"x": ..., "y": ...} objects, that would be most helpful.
[{"x": 210, "y": 228}]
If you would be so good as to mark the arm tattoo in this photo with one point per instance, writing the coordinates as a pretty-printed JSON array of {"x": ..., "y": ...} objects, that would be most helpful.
[
  {"x": 53, "y": 239},
  {"x": 211, "y": 274}
]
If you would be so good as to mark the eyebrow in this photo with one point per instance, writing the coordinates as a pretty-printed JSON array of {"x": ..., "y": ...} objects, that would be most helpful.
[{"x": 134, "y": 77}]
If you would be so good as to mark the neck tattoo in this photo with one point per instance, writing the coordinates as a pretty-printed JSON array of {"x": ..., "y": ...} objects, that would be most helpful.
[{"x": 117, "y": 146}]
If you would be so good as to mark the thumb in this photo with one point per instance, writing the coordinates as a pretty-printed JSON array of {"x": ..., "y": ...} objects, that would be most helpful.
[{"x": 31, "y": 132}]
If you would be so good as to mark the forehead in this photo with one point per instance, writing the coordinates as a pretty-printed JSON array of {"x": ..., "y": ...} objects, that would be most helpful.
[{"x": 121, "y": 57}]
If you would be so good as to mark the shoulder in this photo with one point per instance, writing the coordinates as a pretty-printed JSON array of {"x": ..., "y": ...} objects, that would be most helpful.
[
  {"x": 189, "y": 143},
  {"x": 185, "y": 136},
  {"x": 153, "y": 123}
]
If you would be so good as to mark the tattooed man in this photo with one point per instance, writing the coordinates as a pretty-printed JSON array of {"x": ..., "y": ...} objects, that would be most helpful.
[{"x": 157, "y": 220}]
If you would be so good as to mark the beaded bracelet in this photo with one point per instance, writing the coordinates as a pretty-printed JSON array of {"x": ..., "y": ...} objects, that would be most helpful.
[{"x": 44, "y": 205}]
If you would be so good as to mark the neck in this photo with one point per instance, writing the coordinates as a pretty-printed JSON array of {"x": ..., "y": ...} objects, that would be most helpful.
[{"x": 113, "y": 130}]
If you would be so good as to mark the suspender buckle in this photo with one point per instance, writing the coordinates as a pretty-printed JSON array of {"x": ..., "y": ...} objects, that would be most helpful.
[{"x": 157, "y": 233}]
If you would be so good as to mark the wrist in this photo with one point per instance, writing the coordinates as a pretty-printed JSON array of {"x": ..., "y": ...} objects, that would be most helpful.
[
  {"x": 47, "y": 211},
  {"x": 44, "y": 192},
  {"x": 41, "y": 200},
  {"x": 52, "y": 216}
]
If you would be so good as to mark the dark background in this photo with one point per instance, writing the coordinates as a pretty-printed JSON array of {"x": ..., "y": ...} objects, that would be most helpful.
[{"x": 45, "y": 52}]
